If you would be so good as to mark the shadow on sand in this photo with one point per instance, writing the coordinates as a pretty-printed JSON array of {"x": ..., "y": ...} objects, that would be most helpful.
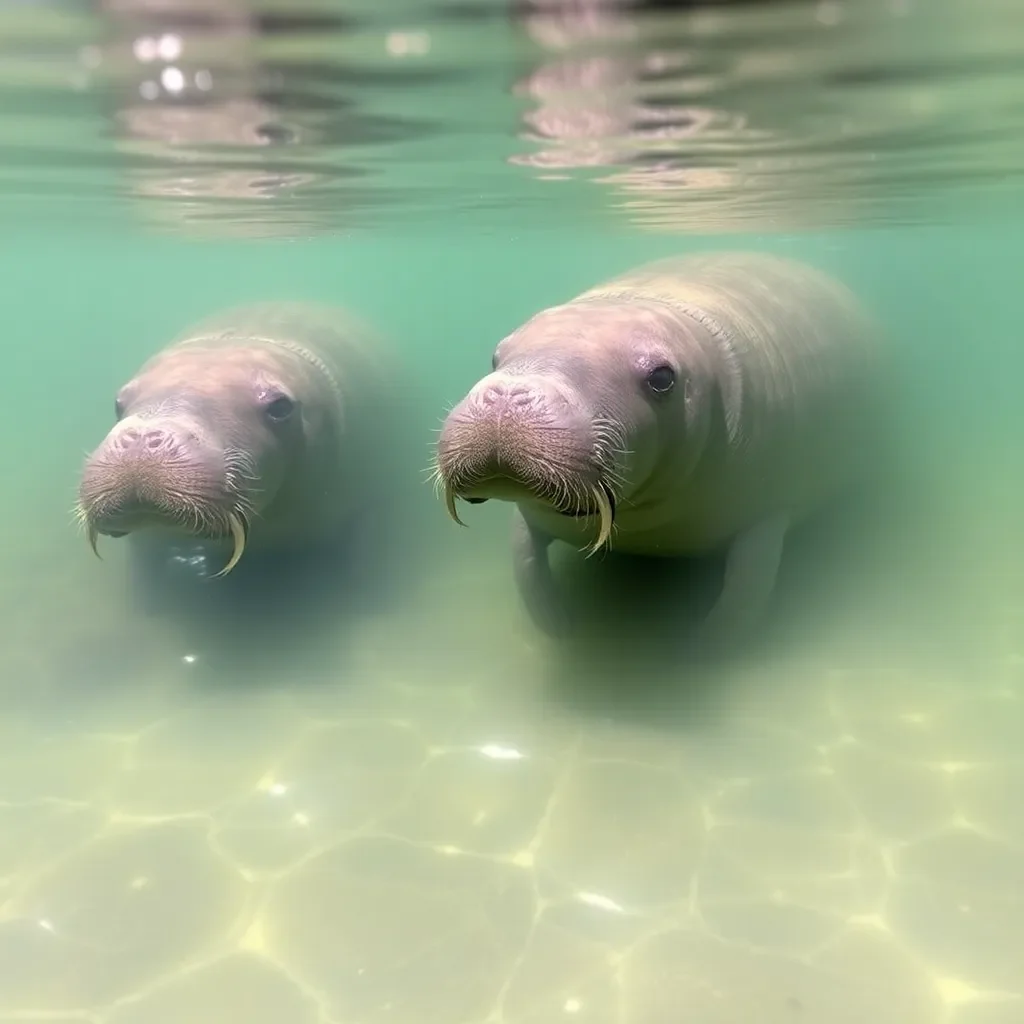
[
  {"x": 274, "y": 620},
  {"x": 846, "y": 585}
]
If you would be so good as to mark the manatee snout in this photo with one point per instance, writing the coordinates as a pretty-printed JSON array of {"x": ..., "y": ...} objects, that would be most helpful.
[
  {"x": 512, "y": 409},
  {"x": 532, "y": 399},
  {"x": 161, "y": 472},
  {"x": 523, "y": 436}
]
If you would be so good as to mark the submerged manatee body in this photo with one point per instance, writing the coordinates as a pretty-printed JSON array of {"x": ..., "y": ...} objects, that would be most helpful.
[
  {"x": 259, "y": 433},
  {"x": 693, "y": 405}
]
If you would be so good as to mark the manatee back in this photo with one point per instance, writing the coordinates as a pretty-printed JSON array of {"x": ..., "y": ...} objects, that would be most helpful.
[
  {"x": 798, "y": 363},
  {"x": 345, "y": 348},
  {"x": 782, "y": 328}
]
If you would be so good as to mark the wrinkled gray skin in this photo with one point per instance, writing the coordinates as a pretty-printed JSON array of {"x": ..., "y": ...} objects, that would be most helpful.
[
  {"x": 708, "y": 403},
  {"x": 269, "y": 413}
]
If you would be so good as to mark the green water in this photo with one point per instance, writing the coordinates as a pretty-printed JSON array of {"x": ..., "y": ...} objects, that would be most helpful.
[
  {"x": 454, "y": 824},
  {"x": 425, "y": 812}
]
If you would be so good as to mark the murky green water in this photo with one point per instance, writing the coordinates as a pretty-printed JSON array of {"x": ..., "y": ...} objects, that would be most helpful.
[{"x": 427, "y": 813}]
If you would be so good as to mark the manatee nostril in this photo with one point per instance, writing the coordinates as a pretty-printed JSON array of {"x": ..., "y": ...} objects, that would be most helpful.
[
  {"x": 152, "y": 440},
  {"x": 522, "y": 395},
  {"x": 494, "y": 393},
  {"x": 499, "y": 393}
]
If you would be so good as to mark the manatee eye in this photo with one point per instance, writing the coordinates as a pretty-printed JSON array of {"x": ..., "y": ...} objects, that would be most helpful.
[
  {"x": 118, "y": 409},
  {"x": 661, "y": 380},
  {"x": 494, "y": 361},
  {"x": 280, "y": 408},
  {"x": 274, "y": 133}
]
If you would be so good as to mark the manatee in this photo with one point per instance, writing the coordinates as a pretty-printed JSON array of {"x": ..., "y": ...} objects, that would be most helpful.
[
  {"x": 693, "y": 406},
  {"x": 264, "y": 433}
]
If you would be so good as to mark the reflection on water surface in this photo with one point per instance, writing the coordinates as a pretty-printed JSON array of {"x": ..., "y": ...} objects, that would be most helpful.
[{"x": 308, "y": 118}]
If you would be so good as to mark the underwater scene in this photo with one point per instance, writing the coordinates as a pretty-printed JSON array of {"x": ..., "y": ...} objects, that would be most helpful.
[{"x": 514, "y": 512}]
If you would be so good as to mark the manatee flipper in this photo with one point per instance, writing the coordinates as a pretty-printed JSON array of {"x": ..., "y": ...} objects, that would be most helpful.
[
  {"x": 751, "y": 570},
  {"x": 538, "y": 589}
]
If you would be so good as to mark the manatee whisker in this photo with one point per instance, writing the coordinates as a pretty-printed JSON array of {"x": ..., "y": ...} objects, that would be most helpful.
[
  {"x": 240, "y": 472},
  {"x": 615, "y": 480},
  {"x": 441, "y": 423},
  {"x": 435, "y": 478},
  {"x": 84, "y": 524},
  {"x": 78, "y": 515}
]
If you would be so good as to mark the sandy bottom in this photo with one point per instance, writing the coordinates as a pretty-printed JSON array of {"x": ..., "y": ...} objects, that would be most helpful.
[{"x": 442, "y": 833}]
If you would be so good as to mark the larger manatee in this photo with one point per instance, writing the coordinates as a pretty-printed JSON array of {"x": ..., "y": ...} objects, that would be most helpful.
[{"x": 692, "y": 405}]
